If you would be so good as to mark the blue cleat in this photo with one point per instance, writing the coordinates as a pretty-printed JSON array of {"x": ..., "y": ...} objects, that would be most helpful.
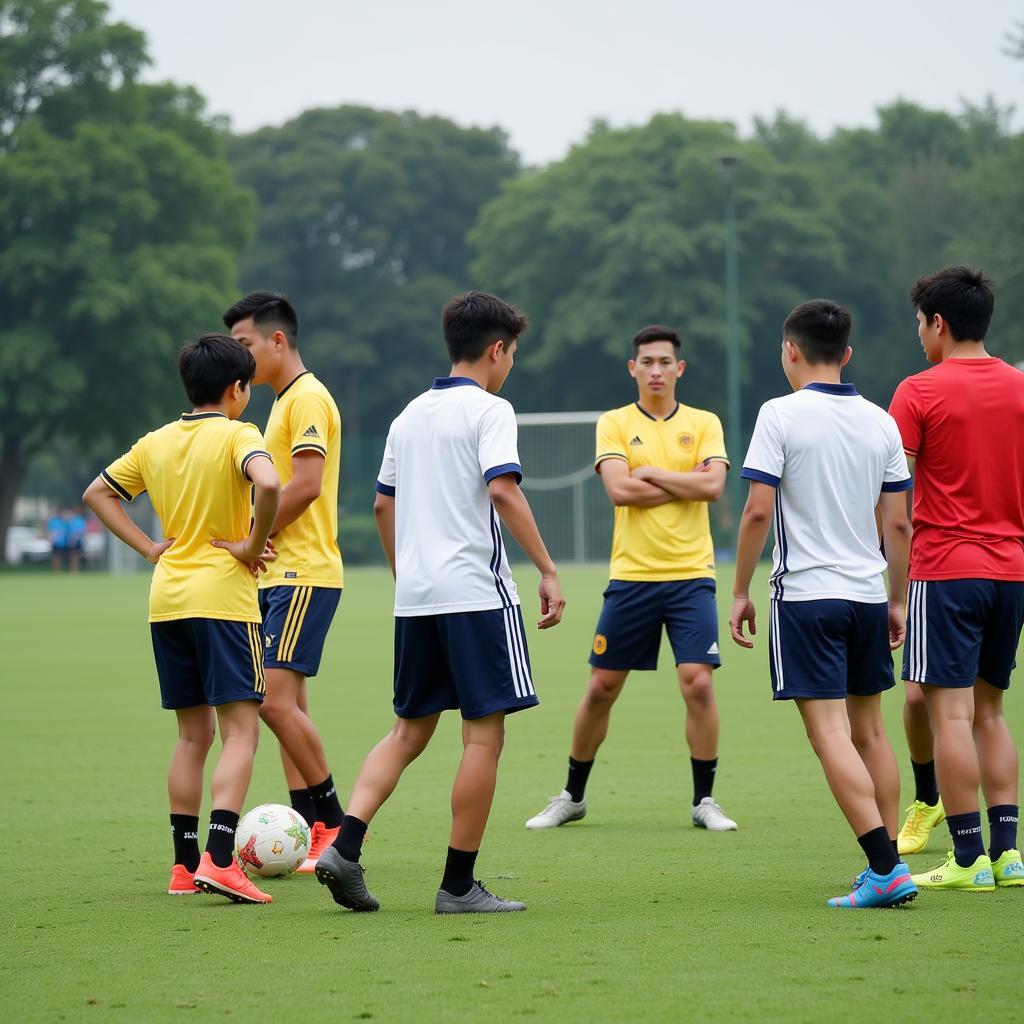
[{"x": 891, "y": 890}]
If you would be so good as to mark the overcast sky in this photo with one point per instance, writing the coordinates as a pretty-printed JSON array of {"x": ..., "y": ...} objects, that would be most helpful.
[{"x": 544, "y": 69}]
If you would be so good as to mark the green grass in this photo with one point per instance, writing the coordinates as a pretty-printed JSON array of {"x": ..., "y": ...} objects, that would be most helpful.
[{"x": 634, "y": 915}]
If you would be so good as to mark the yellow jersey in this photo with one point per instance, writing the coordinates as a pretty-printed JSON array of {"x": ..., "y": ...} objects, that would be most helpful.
[
  {"x": 304, "y": 418},
  {"x": 670, "y": 541},
  {"x": 194, "y": 471}
]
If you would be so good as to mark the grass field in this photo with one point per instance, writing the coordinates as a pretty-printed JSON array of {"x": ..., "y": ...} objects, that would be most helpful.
[{"x": 634, "y": 914}]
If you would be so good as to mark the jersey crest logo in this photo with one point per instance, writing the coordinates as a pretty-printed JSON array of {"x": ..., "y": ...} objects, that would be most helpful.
[
  {"x": 686, "y": 442},
  {"x": 600, "y": 644},
  {"x": 310, "y": 431},
  {"x": 635, "y": 441}
]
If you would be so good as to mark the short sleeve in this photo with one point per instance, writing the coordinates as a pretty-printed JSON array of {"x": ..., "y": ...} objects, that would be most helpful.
[
  {"x": 387, "y": 478},
  {"x": 247, "y": 444},
  {"x": 905, "y": 409},
  {"x": 498, "y": 443},
  {"x": 711, "y": 447},
  {"x": 766, "y": 456},
  {"x": 611, "y": 442},
  {"x": 124, "y": 475},
  {"x": 897, "y": 473},
  {"x": 309, "y": 423}
]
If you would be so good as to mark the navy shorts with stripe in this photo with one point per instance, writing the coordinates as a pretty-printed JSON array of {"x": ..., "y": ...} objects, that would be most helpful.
[
  {"x": 296, "y": 621},
  {"x": 473, "y": 662},
  {"x": 208, "y": 661},
  {"x": 829, "y": 649},
  {"x": 628, "y": 634},
  {"x": 962, "y": 630}
]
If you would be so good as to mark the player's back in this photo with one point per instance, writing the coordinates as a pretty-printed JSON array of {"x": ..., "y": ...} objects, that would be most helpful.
[
  {"x": 963, "y": 421},
  {"x": 194, "y": 472},
  {"x": 836, "y": 453},
  {"x": 441, "y": 452}
]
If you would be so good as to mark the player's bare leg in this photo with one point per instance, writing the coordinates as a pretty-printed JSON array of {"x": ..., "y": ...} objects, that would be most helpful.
[
  {"x": 591, "y": 724},
  {"x": 997, "y": 753},
  {"x": 951, "y": 711},
  {"x": 196, "y": 727},
  {"x": 239, "y": 725},
  {"x": 926, "y": 811},
  {"x": 917, "y": 725},
  {"x": 702, "y": 721},
  {"x": 293, "y": 728},
  {"x": 867, "y": 732},
  {"x": 295, "y": 778},
  {"x": 473, "y": 791}
]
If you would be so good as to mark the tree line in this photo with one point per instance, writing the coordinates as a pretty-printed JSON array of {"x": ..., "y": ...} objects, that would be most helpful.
[{"x": 130, "y": 217}]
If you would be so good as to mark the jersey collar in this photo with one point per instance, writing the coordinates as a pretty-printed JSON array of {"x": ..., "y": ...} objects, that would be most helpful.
[
  {"x": 655, "y": 418},
  {"x": 188, "y": 416},
  {"x": 832, "y": 389},
  {"x": 440, "y": 383},
  {"x": 291, "y": 382}
]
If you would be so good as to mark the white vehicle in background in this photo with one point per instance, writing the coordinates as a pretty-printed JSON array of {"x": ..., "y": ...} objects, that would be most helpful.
[{"x": 26, "y": 546}]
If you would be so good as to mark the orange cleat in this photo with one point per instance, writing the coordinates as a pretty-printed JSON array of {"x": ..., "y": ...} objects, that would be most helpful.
[
  {"x": 182, "y": 882},
  {"x": 230, "y": 882},
  {"x": 320, "y": 837}
]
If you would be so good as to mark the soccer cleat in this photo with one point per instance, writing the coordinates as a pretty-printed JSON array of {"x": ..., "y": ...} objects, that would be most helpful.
[
  {"x": 1008, "y": 869},
  {"x": 949, "y": 875},
  {"x": 560, "y": 810},
  {"x": 230, "y": 882},
  {"x": 878, "y": 891},
  {"x": 917, "y": 829},
  {"x": 320, "y": 837},
  {"x": 344, "y": 879},
  {"x": 477, "y": 901},
  {"x": 707, "y": 814},
  {"x": 182, "y": 882}
]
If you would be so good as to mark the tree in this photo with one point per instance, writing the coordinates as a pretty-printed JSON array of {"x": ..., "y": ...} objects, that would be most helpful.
[
  {"x": 119, "y": 225},
  {"x": 363, "y": 222}
]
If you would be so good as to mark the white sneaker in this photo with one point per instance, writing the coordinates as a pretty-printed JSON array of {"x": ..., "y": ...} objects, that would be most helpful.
[
  {"x": 707, "y": 814},
  {"x": 559, "y": 810}
]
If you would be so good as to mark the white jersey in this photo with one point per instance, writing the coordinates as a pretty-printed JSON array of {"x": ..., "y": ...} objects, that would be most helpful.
[
  {"x": 441, "y": 452},
  {"x": 829, "y": 453}
]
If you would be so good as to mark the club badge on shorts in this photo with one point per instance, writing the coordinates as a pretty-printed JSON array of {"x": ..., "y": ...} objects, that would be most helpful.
[{"x": 600, "y": 644}]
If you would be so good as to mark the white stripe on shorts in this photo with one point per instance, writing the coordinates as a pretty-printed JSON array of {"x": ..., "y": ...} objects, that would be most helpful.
[{"x": 776, "y": 645}]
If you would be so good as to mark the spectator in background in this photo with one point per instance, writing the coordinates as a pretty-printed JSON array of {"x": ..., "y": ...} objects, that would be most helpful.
[
  {"x": 57, "y": 529},
  {"x": 76, "y": 538}
]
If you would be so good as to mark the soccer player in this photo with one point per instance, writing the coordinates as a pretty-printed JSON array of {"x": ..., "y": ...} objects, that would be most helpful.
[
  {"x": 661, "y": 463},
  {"x": 962, "y": 423},
  {"x": 203, "y": 610},
  {"x": 820, "y": 461},
  {"x": 300, "y": 593},
  {"x": 450, "y": 470}
]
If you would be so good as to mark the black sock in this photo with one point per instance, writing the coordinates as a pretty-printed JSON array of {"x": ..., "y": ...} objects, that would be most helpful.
[
  {"x": 703, "y": 778},
  {"x": 1002, "y": 828},
  {"x": 325, "y": 797},
  {"x": 458, "y": 871},
  {"x": 877, "y": 847},
  {"x": 302, "y": 803},
  {"x": 350, "y": 839},
  {"x": 185, "y": 833},
  {"x": 896, "y": 850},
  {"x": 576, "y": 784},
  {"x": 965, "y": 829},
  {"x": 926, "y": 788},
  {"x": 220, "y": 841}
]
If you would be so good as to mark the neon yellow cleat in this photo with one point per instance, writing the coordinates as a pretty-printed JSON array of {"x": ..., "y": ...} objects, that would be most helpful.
[
  {"x": 977, "y": 878},
  {"x": 917, "y": 829},
  {"x": 1009, "y": 869}
]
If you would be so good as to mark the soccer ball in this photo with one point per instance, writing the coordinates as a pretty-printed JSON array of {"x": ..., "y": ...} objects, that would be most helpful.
[{"x": 271, "y": 840}]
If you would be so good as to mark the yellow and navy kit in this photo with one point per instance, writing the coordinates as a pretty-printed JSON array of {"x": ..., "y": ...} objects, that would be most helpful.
[
  {"x": 670, "y": 541},
  {"x": 194, "y": 471},
  {"x": 304, "y": 418}
]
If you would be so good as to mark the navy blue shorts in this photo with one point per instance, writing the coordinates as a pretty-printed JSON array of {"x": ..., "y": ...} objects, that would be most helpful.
[
  {"x": 207, "y": 661},
  {"x": 829, "y": 649},
  {"x": 962, "y": 630},
  {"x": 473, "y": 662},
  {"x": 628, "y": 634},
  {"x": 296, "y": 621}
]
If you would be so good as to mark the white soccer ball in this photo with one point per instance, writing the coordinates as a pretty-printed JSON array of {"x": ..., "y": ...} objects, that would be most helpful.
[{"x": 271, "y": 840}]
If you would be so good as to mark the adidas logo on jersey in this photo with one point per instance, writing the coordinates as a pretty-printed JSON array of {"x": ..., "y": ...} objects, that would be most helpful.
[
  {"x": 713, "y": 649},
  {"x": 310, "y": 432},
  {"x": 635, "y": 441}
]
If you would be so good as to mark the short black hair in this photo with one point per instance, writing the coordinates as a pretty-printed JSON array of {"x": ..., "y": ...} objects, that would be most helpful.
[
  {"x": 656, "y": 332},
  {"x": 267, "y": 309},
  {"x": 210, "y": 364},
  {"x": 476, "y": 320},
  {"x": 962, "y": 296},
  {"x": 820, "y": 328}
]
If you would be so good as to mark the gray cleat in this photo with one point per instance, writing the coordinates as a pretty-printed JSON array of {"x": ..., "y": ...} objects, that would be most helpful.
[
  {"x": 344, "y": 878},
  {"x": 477, "y": 901}
]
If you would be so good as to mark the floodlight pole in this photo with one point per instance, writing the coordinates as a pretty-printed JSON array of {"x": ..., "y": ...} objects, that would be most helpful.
[{"x": 727, "y": 164}]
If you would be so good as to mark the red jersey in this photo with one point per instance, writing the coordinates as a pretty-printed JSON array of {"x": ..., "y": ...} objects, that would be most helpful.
[{"x": 963, "y": 421}]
